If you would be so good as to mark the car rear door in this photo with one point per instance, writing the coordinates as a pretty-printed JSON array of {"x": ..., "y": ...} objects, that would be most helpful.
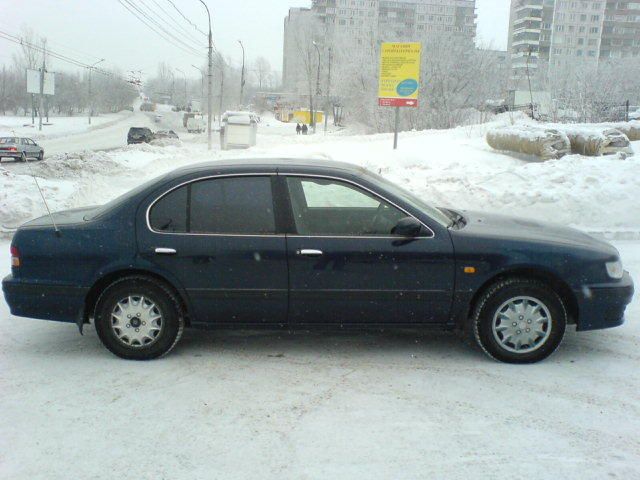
[
  {"x": 347, "y": 268},
  {"x": 218, "y": 238}
]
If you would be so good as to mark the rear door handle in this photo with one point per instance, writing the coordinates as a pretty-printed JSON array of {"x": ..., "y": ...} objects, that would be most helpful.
[
  {"x": 166, "y": 251},
  {"x": 310, "y": 252}
]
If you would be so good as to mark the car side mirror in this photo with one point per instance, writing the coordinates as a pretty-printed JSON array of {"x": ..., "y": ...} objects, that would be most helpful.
[{"x": 407, "y": 227}]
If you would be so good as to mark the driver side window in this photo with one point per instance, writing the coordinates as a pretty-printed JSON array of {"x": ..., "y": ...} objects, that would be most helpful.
[{"x": 331, "y": 207}]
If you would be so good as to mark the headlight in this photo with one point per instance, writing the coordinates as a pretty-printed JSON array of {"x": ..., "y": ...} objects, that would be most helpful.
[{"x": 614, "y": 269}]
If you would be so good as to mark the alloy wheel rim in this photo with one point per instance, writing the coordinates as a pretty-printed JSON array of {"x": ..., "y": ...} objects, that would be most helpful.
[
  {"x": 522, "y": 324},
  {"x": 136, "y": 321}
]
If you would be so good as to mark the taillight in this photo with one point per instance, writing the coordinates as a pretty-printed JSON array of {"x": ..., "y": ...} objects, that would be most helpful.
[
  {"x": 13, "y": 149},
  {"x": 15, "y": 257}
]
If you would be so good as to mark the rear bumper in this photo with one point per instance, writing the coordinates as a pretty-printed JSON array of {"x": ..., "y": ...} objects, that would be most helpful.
[
  {"x": 10, "y": 154},
  {"x": 603, "y": 305},
  {"x": 59, "y": 303}
]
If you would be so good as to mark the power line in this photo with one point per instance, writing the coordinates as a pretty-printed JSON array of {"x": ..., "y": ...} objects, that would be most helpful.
[
  {"x": 58, "y": 56},
  {"x": 184, "y": 46},
  {"x": 177, "y": 24},
  {"x": 162, "y": 23},
  {"x": 187, "y": 20}
]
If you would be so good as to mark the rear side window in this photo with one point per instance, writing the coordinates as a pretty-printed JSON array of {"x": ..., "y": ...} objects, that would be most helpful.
[
  {"x": 170, "y": 214},
  {"x": 234, "y": 205}
]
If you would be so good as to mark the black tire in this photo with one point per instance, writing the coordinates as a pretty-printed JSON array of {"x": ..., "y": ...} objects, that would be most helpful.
[
  {"x": 23, "y": 157},
  {"x": 496, "y": 296},
  {"x": 167, "y": 303},
  {"x": 41, "y": 156}
]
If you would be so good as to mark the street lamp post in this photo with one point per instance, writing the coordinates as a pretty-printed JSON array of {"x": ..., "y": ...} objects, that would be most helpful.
[
  {"x": 318, "y": 92},
  {"x": 201, "y": 82},
  {"x": 185, "y": 86},
  {"x": 209, "y": 80},
  {"x": 90, "y": 98},
  {"x": 242, "y": 74}
]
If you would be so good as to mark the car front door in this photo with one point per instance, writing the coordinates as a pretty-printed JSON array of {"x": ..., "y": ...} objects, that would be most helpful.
[
  {"x": 346, "y": 266},
  {"x": 218, "y": 238}
]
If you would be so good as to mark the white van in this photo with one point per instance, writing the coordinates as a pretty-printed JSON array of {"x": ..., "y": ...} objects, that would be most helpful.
[{"x": 196, "y": 124}]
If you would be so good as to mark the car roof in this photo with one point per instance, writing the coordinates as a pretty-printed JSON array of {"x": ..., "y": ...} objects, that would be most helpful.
[{"x": 272, "y": 164}]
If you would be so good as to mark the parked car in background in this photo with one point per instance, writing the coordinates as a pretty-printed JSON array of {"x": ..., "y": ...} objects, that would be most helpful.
[
  {"x": 165, "y": 134},
  {"x": 295, "y": 243},
  {"x": 20, "y": 148},
  {"x": 139, "y": 135}
]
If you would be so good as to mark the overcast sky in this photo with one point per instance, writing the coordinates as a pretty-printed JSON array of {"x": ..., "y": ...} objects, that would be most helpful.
[{"x": 89, "y": 30}]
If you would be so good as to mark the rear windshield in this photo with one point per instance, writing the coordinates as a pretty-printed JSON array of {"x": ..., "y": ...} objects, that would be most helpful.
[
  {"x": 138, "y": 130},
  {"x": 121, "y": 200},
  {"x": 8, "y": 140}
]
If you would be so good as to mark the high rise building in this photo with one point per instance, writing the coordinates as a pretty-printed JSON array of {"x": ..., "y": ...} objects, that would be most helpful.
[{"x": 547, "y": 34}]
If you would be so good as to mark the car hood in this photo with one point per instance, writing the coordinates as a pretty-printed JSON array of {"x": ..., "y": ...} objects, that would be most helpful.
[
  {"x": 514, "y": 228},
  {"x": 65, "y": 217}
]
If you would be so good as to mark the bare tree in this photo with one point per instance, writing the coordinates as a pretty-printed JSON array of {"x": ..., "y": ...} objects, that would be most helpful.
[{"x": 262, "y": 70}]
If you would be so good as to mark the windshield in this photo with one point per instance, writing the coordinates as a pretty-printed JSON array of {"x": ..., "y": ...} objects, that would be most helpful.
[{"x": 433, "y": 212}]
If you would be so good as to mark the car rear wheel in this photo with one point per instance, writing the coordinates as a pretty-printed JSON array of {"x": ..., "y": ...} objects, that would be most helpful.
[
  {"x": 139, "y": 318},
  {"x": 519, "y": 320}
]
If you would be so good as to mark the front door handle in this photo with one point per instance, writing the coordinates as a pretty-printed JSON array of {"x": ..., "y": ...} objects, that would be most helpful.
[
  {"x": 310, "y": 252},
  {"x": 166, "y": 251}
]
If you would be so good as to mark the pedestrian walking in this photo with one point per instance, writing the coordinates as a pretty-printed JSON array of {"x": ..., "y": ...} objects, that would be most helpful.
[
  {"x": 305, "y": 129},
  {"x": 298, "y": 129}
]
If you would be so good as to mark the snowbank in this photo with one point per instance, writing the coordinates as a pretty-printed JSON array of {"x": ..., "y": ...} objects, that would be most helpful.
[{"x": 453, "y": 168}]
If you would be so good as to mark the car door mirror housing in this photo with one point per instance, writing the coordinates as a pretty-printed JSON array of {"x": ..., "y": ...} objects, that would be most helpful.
[{"x": 407, "y": 227}]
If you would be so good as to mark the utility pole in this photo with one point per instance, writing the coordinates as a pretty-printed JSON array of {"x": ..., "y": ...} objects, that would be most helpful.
[
  {"x": 185, "y": 86},
  {"x": 201, "y": 85},
  {"x": 529, "y": 80},
  {"x": 242, "y": 75},
  {"x": 326, "y": 103},
  {"x": 209, "y": 80},
  {"x": 90, "y": 97},
  {"x": 318, "y": 91},
  {"x": 42, "y": 72},
  {"x": 221, "y": 60}
]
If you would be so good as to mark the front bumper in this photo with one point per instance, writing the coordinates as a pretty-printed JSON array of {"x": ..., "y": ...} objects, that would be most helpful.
[
  {"x": 61, "y": 303},
  {"x": 603, "y": 305}
]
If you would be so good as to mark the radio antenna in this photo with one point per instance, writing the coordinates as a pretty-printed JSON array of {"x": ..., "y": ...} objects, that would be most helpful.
[{"x": 44, "y": 200}]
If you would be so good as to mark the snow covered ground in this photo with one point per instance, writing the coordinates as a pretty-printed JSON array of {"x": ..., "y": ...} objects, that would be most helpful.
[{"x": 315, "y": 406}]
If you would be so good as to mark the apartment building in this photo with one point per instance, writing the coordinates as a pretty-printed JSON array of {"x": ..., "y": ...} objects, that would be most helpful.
[
  {"x": 621, "y": 30},
  {"x": 365, "y": 23},
  {"x": 547, "y": 34}
]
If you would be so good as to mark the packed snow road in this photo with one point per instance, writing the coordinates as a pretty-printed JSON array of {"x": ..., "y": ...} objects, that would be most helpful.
[{"x": 316, "y": 406}]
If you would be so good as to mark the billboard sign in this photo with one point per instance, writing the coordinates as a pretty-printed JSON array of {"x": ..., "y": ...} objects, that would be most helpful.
[
  {"x": 33, "y": 82},
  {"x": 399, "y": 79}
]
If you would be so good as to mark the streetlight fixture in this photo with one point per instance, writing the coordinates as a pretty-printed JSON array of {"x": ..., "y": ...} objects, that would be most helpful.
[
  {"x": 90, "y": 98},
  {"x": 242, "y": 74},
  {"x": 210, "y": 79}
]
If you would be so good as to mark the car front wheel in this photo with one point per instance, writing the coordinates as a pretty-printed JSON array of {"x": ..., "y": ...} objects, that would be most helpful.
[
  {"x": 139, "y": 318},
  {"x": 519, "y": 320}
]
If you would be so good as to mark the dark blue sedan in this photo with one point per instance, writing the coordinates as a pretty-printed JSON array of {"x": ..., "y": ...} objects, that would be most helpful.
[{"x": 295, "y": 243}]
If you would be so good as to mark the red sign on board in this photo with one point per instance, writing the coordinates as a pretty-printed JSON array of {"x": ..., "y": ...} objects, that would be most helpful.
[{"x": 397, "y": 102}]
